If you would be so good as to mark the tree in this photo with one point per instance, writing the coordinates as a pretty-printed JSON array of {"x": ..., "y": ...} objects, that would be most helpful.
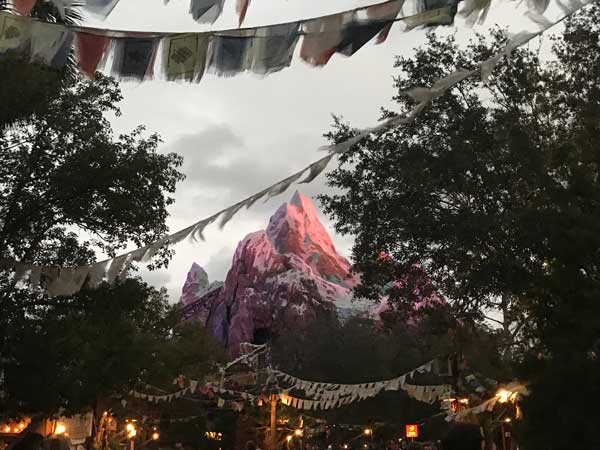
[
  {"x": 494, "y": 191},
  {"x": 69, "y": 187},
  {"x": 362, "y": 350}
]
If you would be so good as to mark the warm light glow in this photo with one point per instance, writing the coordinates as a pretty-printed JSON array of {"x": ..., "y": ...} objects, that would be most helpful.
[
  {"x": 298, "y": 432},
  {"x": 155, "y": 436},
  {"x": 518, "y": 412},
  {"x": 105, "y": 413},
  {"x": 412, "y": 431},
  {"x": 365, "y": 446},
  {"x": 368, "y": 431},
  {"x": 507, "y": 420},
  {"x": 129, "y": 427},
  {"x": 288, "y": 437},
  {"x": 132, "y": 433},
  {"x": 463, "y": 401},
  {"x": 345, "y": 446},
  {"x": 6, "y": 429},
  {"x": 503, "y": 395},
  {"x": 21, "y": 426},
  {"x": 60, "y": 428}
]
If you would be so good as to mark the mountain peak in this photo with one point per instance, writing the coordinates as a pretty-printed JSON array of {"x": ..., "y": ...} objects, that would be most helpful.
[
  {"x": 302, "y": 202},
  {"x": 295, "y": 228}
]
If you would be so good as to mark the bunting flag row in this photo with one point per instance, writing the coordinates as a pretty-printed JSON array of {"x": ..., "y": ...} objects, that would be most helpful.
[
  {"x": 66, "y": 281},
  {"x": 159, "y": 398},
  {"x": 510, "y": 393},
  {"x": 203, "y": 11},
  {"x": 188, "y": 56},
  {"x": 221, "y": 402},
  {"x": 423, "y": 393},
  {"x": 332, "y": 395}
]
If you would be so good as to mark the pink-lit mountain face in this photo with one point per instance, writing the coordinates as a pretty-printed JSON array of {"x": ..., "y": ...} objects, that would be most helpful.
[{"x": 280, "y": 280}]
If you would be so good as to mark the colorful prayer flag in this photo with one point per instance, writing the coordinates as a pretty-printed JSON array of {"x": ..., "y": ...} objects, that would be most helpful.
[
  {"x": 185, "y": 57},
  {"x": 134, "y": 58},
  {"x": 90, "y": 51}
]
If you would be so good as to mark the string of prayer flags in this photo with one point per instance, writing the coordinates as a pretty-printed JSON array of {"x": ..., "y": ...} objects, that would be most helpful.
[
  {"x": 262, "y": 50},
  {"x": 327, "y": 395},
  {"x": 159, "y": 398},
  {"x": 14, "y": 34}
]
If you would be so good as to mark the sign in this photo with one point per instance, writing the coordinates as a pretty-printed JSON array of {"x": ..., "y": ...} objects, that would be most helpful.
[{"x": 412, "y": 431}]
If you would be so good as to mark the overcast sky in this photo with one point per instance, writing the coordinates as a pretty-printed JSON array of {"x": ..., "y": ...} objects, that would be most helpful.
[{"x": 239, "y": 135}]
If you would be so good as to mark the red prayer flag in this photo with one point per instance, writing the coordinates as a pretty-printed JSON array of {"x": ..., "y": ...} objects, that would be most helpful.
[
  {"x": 90, "y": 50},
  {"x": 24, "y": 7},
  {"x": 383, "y": 34},
  {"x": 242, "y": 9}
]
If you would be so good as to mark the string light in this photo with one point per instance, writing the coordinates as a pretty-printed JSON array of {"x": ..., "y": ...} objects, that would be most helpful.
[{"x": 60, "y": 428}]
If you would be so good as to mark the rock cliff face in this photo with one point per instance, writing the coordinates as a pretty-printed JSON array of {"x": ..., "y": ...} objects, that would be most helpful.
[{"x": 280, "y": 280}]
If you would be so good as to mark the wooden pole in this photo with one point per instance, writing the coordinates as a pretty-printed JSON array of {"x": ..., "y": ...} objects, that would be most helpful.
[{"x": 273, "y": 428}]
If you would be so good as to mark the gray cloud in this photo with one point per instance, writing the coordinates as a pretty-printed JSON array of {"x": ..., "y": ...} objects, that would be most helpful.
[
  {"x": 239, "y": 135},
  {"x": 219, "y": 264}
]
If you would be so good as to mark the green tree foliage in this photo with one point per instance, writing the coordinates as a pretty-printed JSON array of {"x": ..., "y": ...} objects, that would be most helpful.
[
  {"x": 495, "y": 191},
  {"x": 361, "y": 350},
  {"x": 63, "y": 169},
  {"x": 69, "y": 186}
]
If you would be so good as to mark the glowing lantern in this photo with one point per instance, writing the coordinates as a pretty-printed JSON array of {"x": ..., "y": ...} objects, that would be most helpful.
[{"x": 412, "y": 431}]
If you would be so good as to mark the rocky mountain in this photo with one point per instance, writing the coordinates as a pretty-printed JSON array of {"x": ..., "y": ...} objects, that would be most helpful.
[{"x": 280, "y": 280}]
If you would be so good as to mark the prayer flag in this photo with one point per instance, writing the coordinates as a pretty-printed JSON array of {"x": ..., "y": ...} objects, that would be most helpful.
[
  {"x": 322, "y": 37},
  {"x": 50, "y": 43},
  {"x": 388, "y": 11},
  {"x": 230, "y": 54},
  {"x": 206, "y": 11},
  {"x": 274, "y": 47},
  {"x": 241, "y": 8},
  {"x": 134, "y": 58},
  {"x": 185, "y": 57},
  {"x": 90, "y": 51},
  {"x": 15, "y": 32},
  {"x": 24, "y": 7}
]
